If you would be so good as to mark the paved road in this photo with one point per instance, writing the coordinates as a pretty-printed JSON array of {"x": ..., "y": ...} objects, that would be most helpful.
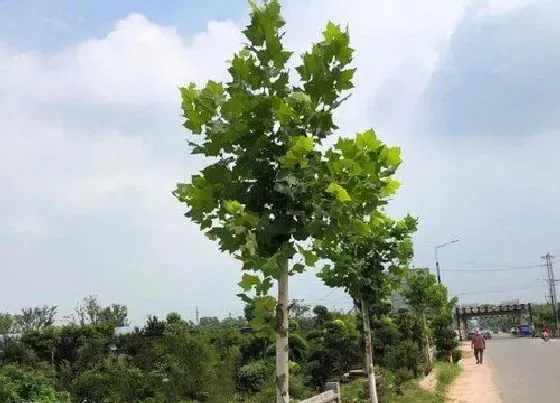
[{"x": 526, "y": 370}]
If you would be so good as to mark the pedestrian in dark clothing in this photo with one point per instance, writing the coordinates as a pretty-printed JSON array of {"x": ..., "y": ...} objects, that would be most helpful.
[{"x": 478, "y": 344}]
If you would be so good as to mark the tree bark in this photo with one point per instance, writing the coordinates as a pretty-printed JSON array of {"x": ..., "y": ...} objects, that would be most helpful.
[
  {"x": 426, "y": 340},
  {"x": 369, "y": 351},
  {"x": 282, "y": 357}
]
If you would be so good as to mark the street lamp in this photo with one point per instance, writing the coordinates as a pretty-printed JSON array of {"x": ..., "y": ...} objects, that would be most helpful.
[{"x": 437, "y": 261}]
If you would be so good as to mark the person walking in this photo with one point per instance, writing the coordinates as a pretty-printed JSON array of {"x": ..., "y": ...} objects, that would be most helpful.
[{"x": 478, "y": 344}]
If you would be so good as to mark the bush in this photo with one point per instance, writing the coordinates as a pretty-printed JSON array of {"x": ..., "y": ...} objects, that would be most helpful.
[
  {"x": 253, "y": 376},
  {"x": 354, "y": 391},
  {"x": 426, "y": 367},
  {"x": 457, "y": 355},
  {"x": 298, "y": 390},
  {"x": 404, "y": 355},
  {"x": 22, "y": 384},
  {"x": 440, "y": 355}
]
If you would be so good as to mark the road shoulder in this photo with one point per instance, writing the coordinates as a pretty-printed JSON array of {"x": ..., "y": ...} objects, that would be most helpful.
[{"x": 476, "y": 383}]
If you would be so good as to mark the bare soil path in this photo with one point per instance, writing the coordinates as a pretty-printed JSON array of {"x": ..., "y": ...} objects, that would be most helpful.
[{"x": 476, "y": 382}]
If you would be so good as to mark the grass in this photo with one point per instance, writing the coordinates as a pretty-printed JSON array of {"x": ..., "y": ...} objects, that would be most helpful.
[{"x": 446, "y": 373}]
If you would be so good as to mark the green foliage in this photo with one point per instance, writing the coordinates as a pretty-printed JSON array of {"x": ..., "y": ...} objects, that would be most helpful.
[
  {"x": 428, "y": 300},
  {"x": 7, "y": 323},
  {"x": 423, "y": 293},
  {"x": 354, "y": 391},
  {"x": 268, "y": 184},
  {"x": 322, "y": 315},
  {"x": 404, "y": 356},
  {"x": 410, "y": 328},
  {"x": 177, "y": 361},
  {"x": 15, "y": 352},
  {"x": 334, "y": 349},
  {"x": 90, "y": 311},
  {"x": 173, "y": 317},
  {"x": 542, "y": 316},
  {"x": 253, "y": 376},
  {"x": 154, "y": 327},
  {"x": 298, "y": 349},
  {"x": 457, "y": 355},
  {"x": 29, "y": 385}
]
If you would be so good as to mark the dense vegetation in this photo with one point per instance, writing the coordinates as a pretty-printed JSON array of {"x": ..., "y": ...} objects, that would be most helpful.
[{"x": 173, "y": 360}]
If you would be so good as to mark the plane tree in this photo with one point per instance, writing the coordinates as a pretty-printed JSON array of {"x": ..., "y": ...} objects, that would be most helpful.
[
  {"x": 369, "y": 265},
  {"x": 271, "y": 186}
]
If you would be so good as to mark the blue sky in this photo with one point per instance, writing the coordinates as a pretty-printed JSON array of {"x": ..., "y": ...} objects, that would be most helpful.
[
  {"x": 52, "y": 25},
  {"x": 91, "y": 143}
]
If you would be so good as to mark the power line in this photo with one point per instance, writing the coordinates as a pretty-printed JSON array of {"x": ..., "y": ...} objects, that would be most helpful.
[
  {"x": 496, "y": 290},
  {"x": 512, "y": 268}
]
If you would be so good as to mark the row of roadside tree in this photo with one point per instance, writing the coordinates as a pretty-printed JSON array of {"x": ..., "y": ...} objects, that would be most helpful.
[{"x": 282, "y": 194}]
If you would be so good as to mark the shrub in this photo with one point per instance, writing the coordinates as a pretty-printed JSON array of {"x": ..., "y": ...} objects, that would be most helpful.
[
  {"x": 253, "y": 376},
  {"x": 22, "y": 384},
  {"x": 440, "y": 355},
  {"x": 402, "y": 375},
  {"x": 298, "y": 390},
  {"x": 457, "y": 355},
  {"x": 404, "y": 355},
  {"x": 354, "y": 391},
  {"x": 426, "y": 367}
]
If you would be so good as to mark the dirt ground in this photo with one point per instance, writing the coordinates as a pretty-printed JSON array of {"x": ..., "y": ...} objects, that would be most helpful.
[
  {"x": 475, "y": 384},
  {"x": 429, "y": 382}
]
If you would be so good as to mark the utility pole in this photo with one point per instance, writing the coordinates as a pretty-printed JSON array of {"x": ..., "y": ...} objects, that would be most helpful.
[
  {"x": 552, "y": 288},
  {"x": 443, "y": 245},
  {"x": 197, "y": 316}
]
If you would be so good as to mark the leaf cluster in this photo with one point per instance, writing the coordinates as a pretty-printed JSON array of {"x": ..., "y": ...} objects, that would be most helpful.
[{"x": 267, "y": 187}]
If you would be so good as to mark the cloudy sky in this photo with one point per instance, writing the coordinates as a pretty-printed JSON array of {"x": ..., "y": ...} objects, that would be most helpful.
[{"x": 91, "y": 143}]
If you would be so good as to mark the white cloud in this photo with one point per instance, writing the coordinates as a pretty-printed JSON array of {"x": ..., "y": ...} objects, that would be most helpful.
[
  {"x": 500, "y": 7},
  {"x": 91, "y": 146}
]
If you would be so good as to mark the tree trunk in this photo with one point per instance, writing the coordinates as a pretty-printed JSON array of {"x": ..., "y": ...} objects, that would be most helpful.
[
  {"x": 426, "y": 340},
  {"x": 282, "y": 360},
  {"x": 369, "y": 351}
]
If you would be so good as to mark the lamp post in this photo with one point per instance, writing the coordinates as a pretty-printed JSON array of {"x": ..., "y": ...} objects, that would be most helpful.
[{"x": 437, "y": 261}]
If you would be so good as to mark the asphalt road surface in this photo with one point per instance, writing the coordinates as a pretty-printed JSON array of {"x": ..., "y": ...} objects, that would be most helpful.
[{"x": 525, "y": 369}]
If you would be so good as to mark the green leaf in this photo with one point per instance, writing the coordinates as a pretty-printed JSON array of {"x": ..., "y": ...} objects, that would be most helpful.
[
  {"x": 251, "y": 244},
  {"x": 285, "y": 113},
  {"x": 207, "y": 223},
  {"x": 245, "y": 298},
  {"x": 391, "y": 187},
  {"x": 298, "y": 268},
  {"x": 339, "y": 192},
  {"x": 332, "y": 32},
  {"x": 233, "y": 206},
  {"x": 308, "y": 255},
  {"x": 302, "y": 145},
  {"x": 249, "y": 281},
  {"x": 393, "y": 156},
  {"x": 368, "y": 140},
  {"x": 216, "y": 173},
  {"x": 344, "y": 80},
  {"x": 361, "y": 228}
]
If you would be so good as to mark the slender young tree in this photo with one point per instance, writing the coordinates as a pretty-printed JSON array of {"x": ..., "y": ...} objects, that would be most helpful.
[
  {"x": 369, "y": 265},
  {"x": 268, "y": 187},
  {"x": 427, "y": 299}
]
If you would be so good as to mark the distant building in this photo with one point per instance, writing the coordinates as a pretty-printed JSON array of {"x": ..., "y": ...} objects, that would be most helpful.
[{"x": 514, "y": 301}]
